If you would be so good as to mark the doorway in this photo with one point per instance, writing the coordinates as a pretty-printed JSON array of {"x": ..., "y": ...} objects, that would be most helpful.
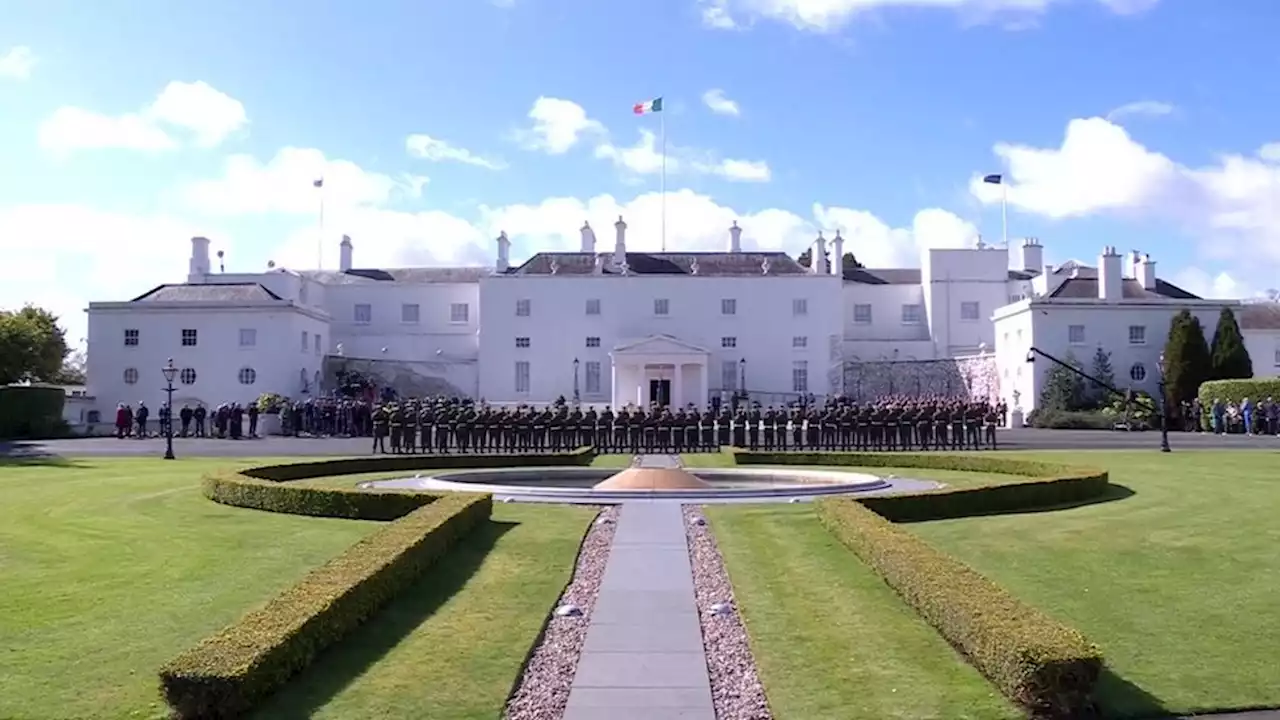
[{"x": 660, "y": 392}]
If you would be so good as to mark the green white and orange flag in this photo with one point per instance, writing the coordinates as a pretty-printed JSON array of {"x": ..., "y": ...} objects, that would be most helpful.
[{"x": 648, "y": 106}]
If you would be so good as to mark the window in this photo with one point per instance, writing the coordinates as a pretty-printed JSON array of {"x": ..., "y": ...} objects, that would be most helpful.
[
  {"x": 189, "y": 337},
  {"x": 362, "y": 313},
  {"x": 1075, "y": 334},
  {"x": 522, "y": 376},
  {"x": 410, "y": 313},
  {"x": 729, "y": 375},
  {"x": 131, "y": 338},
  {"x": 248, "y": 337},
  {"x": 318, "y": 342},
  {"x": 459, "y": 313},
  {"x": 800, "y": 306},
  {"x": 1138, "y": 372},
  {"x": 593, "y": 306},
  {"x": 306, "y": 341},
  {"x": 661, "y": 306},
  {"x": 969, "y": 311},
  {"x": 593, "y": 377},
  {"x": 728, "y": 342},
  {"x": 910, "y": 314},
  {"x": 862, "y": 313},
  {"x": 800, "y": 341},
  {"x": 187, "y": 376},
  {"x": 1277, "y": 357},
  {"x": 1137, "y": 335},
  {"x": 800, "y": 376},
  {"x": 593, "y": 342},
  {"x": 729, "y": 306},
  {"x": 130, "y": 376},
  {"x": 248, "y": 376},
  {"x": 522, "y": 308},
  {"x": 522, "y": 342}
]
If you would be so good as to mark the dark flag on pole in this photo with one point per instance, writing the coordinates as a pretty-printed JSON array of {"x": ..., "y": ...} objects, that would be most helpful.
[
  {"x": 319, "y": 182},
  {"x": 991, "y": 179}
]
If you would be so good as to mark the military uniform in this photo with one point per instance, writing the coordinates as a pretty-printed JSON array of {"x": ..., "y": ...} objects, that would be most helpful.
[
  {"x": 381, "y": 419},
  {"x": 770, "y": 429},
  {"x": 753, "y": 428}
]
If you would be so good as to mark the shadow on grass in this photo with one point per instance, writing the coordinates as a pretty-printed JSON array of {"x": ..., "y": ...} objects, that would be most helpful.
[
  {"x": 25, "y": 454},
  {"x": 342, "y": 663},
  {"x": 1113, "y": 493}
]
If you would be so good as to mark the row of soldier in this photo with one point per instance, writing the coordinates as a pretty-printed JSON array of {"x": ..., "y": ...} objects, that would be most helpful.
[{"x": 443, "y": 426}]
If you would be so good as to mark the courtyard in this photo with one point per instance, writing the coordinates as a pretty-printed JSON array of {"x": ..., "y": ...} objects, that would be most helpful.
[{"x": 114, "y": 566}]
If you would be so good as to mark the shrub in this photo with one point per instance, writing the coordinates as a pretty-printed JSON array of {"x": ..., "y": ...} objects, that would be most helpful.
[
  {"x": 405, "y": 463},
  {"x": 226, "y": 674},
  {"x": 1036, "y": 661},
  {"x": 32, "y": 412},
  {"x": 1236, "y": 390},
  {"x": 351, "y": 503},
  {"x": 1071, "y": 420}
]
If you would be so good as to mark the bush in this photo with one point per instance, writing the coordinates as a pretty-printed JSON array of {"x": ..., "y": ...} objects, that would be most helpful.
[
  {"x": 1236, "y": 390},
  {"x": 1036, "y": 661},
  {"x": 1025, "y": 483},
  {"x": 1071, "y": 420},
  {"x": 405, "y": 463},
  {"x": 32, "y": 412},
  {"x": 227, "y": 673},
  {"x": 351, "y": 503}
]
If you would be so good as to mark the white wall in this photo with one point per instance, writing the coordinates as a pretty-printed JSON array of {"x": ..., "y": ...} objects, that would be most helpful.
[
  {"x": 1264, "y": 351},
  {"x": 956, "y": 277},
  {"x": 433, "y": 335}
]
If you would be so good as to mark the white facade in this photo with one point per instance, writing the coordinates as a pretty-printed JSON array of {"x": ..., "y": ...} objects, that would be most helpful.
[{"x": 618, "y": 327}]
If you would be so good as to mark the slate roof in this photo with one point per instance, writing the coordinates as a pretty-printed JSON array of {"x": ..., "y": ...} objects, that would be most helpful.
[
  {"x": 1080, "y": 288},
  {"x": 709, "y": 263},
  {"x": 1259, "y": 316},
  {"x": 904, "y": 276},
  {"x": 404, "y": 275},
  {"x": 208, "y": 293}
]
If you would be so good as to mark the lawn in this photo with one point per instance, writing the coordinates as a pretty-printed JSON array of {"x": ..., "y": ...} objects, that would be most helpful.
[{"x": 832, "y": 641}]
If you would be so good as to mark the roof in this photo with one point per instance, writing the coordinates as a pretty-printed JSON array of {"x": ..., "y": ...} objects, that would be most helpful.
[
  {"x": 1081, "y": 288},
  {"x": 403, "y": 275},
  {"x": 1259, "y": 316},
  {"x": 719, "y": 264},
  {"x": 208, "y": 293}
]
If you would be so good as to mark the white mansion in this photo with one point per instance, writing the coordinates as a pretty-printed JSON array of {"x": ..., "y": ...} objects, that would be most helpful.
[{"x": 619, "y": 327}]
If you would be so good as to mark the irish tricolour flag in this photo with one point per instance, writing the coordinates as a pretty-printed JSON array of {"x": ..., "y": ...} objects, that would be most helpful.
[{"x": 648, "y": 106}]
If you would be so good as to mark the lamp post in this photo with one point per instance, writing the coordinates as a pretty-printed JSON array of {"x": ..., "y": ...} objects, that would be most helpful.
[
  {"x": 1164, "y": 407},
  {"x": 576, "y": 396},
  {"x": 742, "y": 378},
  {"x": 170, "y": 372}
]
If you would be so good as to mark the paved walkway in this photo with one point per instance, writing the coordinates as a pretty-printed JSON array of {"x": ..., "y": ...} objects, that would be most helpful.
[{"x": 643, "y": 657}]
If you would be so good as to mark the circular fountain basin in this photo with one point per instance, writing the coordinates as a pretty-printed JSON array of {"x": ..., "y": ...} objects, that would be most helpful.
[{"x": 577, "y": 485}]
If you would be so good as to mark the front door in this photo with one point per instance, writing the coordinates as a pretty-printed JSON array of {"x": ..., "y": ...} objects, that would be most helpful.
[{"x": 660, "y": 392}]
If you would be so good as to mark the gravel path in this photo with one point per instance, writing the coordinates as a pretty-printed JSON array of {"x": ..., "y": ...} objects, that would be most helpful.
[
  {"x": 544, "y": 687},
  {"x": 735, "y": 684}
]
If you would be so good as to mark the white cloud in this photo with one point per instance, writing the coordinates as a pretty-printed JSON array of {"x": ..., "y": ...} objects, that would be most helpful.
[
  {"x": 645, "y": 158},
  {"x": 17, "y": 63},
  {"x": 831, "y": 15},
  {"x": 720, "y": 104},
  {"x": 557, "y": 126},
  {"x": 432, "y": 149},
  {"x": 1219, "y": 286},
  {"x": 202, "y": 116},
  {"x": 1141, "y": 108}
]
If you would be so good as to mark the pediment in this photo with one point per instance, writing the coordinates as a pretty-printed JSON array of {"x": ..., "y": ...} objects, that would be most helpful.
[{"x": 659, "y": 345}]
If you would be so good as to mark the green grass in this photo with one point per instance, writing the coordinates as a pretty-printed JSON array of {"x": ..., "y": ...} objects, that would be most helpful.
[
  {"x": 831, "y": 640},
  {"x": 1177, "y": 584},
  {"x": 452, "y": 646}
]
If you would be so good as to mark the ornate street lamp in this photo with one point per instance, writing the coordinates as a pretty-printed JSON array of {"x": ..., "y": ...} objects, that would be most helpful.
[
  {"x": 1164, "y": 407},
  {"x": 576, "y": 396},
  {"x": 170, "y": 372}
]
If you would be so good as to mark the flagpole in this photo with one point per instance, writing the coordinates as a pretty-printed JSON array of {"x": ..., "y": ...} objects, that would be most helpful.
[
  {"x": 662, "y": 132},
  {"x": 1004, "y": 212},
  {"x": 320, "y": 233}
]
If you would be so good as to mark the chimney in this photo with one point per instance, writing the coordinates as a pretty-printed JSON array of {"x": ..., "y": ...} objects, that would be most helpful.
[
  {"x": 344, "y": 254},
  {"x": 1110, "y": 279},
  {"x": 837, "y": 255},
  {"x": 620, "y": 245},
  {"x": 818, "y": 256},
  {"x": 735, "y": 238},
  {"x": 1135, "y": 258},
  {"x": 504, "y": 252},
  {"x": 198, "y": 267},
  {"x": 588, "y": 238},
  {"x": 1146, "y": 272},
  {"x": 1031, "y": 256}
]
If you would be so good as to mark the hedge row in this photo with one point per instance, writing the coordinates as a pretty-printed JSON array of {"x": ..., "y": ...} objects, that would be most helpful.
[
  {"x": 226, "y": 674},
  {"x": 405, "y": 463},
  {"x": 1027, "y": 483},
  {"x": 1237, "y": 390},
  {"x": 1036, "y": 661}
]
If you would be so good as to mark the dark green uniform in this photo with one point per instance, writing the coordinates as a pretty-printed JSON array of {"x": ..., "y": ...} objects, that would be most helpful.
[{"x": 381, "y": 420}]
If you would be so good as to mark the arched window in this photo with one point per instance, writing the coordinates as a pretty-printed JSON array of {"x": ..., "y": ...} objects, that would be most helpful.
[
  {"x": 187, "y": 376},
  {"x": 131, "y": 376},
  {"x": 248, "y": 376},
  {"x": 1138, "y": 372}
]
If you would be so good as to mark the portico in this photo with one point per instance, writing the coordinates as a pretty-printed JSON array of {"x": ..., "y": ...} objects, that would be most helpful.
[{"x": 659, "y": 369}]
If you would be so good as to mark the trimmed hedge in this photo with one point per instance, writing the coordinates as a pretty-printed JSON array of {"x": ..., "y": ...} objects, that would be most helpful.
[
  {"x": 404, "y": 463},
  {"x": 1030, "y": 484},
  {"x": 32, "y": 412},
  {"x": 1036, "y": 661},
  {"x": 1236, "y": 390},
  {"x": 226, "y": 674}
]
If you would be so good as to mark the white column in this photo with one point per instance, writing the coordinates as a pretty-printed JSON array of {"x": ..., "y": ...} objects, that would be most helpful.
[
  {"x": 613, "y": 385},
  {"x": 677, "y": 386},
  {"x": 702, "y": 385}
]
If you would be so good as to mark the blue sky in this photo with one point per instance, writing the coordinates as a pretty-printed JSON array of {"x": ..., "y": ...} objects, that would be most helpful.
[{"x": 129, "y": 125}]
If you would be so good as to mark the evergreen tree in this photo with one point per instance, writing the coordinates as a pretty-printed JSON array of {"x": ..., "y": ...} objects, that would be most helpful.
[
  {"x": 1187, "y": 361},
  {"x": 1101, "y": 370},
  {"x": 1230, "y": 357},
  {"x": 849, "y": 262},
  {"x": 1063, "y": 389}
]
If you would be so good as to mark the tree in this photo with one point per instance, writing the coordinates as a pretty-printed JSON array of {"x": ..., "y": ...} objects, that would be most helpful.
[
  {"x": 1101, "y": 370},
  {"x": 32, "y": 346},
  {"x": 805, "y": 259},
  {"x": 1187, "y": 361},
  {"x": 1063, "y": 389},
  {"x": 73, "y": 369},
  {"x": 1230, "y": 358}
]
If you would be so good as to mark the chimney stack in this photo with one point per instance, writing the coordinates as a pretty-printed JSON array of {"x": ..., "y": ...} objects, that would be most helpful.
[
  {"x": 588, "y": 238},
  {"x": 1110, "y": 275},
  {"x": 1146, "y": 272},
  {"x": 620, "y": 244},
  {"x": 837, "y": 255},
  {"x": 344, "y": 254},
  {"x": 504, "y": 252},
  {"x": 198, "y": 267},
  {"x": 1031, "y": 256},
  {"x": 818, "y": 256},
  {"x": 735, "y": 238}
]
